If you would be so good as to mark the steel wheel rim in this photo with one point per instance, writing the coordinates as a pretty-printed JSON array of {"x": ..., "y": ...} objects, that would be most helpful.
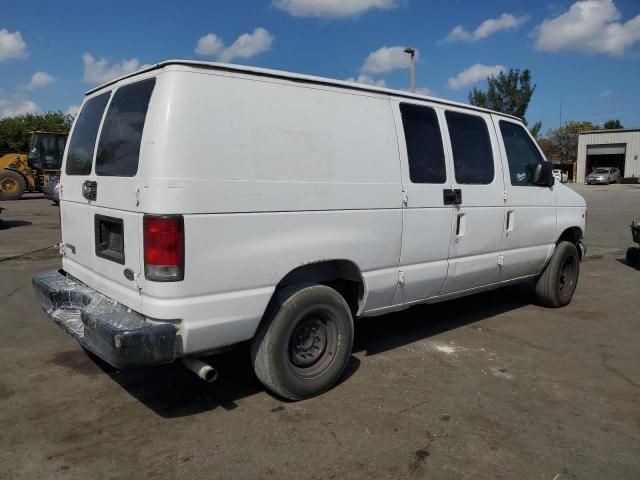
[
  {"x": 567, "y": 278},
  {"x": 313, "y": 343},
  {"x": 9, "y": 185}
]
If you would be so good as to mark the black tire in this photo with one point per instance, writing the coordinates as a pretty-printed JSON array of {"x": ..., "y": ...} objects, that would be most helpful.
[
  {"x": 12, "y": 185},
  {"x": 633, "y": 257},
  {"x": 557, "y": 283},
  {"x": 304, "y": 343}
]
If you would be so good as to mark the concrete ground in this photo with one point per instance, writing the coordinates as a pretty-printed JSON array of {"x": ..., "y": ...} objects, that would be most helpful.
[{"x": 491, "y": 386}]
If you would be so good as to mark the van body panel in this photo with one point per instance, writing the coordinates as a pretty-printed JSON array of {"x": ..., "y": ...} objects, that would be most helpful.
[
  {"x": 240, "y": 258},
  {"x": 530, "y": 218},
  {"x": 426, "y": 223},
  {"x": 477, "y": 223},
  {"x": 116, "y": 201}
]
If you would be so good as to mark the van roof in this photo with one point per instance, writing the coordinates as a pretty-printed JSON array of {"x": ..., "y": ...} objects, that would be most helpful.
[{"x": 296, "y": 77}]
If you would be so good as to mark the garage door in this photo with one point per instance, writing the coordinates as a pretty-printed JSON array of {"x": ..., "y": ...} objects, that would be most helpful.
[{"x": 613, "y": 149}]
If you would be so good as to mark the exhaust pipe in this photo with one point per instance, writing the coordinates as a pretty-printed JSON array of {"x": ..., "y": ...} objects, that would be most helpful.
[{"x": 203, "y": 370}]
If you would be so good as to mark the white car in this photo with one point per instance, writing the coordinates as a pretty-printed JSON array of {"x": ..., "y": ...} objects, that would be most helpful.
[
  {"x": 206, "y": 205},
  {"x": 557, "y": 175}
]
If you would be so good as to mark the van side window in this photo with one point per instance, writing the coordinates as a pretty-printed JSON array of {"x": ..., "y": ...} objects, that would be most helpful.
[
  {"x": 522, "y": 154},
  {"x": 471, "y": 145},
  {"x": 119, "y": 146},
  {"x": 424, "y": 144},
  {"x": 83, "y": 140}
]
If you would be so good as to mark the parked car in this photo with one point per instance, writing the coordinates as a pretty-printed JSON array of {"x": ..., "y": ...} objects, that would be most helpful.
[
  {"x": 605, "y": 176},
  {"x": 226, "y": 204},
  {"x": 557, "y": 174},
  {"x": 52, "y": 190}
]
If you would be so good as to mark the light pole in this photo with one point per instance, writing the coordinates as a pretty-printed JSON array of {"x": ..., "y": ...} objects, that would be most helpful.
[{"x": 412, "y": 54}]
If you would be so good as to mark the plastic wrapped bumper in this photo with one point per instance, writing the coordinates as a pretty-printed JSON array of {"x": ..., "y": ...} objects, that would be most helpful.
[{"x": 115, "y": 333}]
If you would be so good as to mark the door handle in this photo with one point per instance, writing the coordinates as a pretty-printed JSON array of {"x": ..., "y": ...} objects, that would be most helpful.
[
  {"x": 510, "y": 219},
  {"x": 461, "y": 225},
  {"x": 90, "y": 189},
  {"x": 452, "y": 196}
]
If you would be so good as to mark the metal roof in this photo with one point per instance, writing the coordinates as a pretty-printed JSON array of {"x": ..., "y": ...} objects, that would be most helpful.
[
  {"x": 614, "y": 130},
  {"x": 296, "y": 77}
]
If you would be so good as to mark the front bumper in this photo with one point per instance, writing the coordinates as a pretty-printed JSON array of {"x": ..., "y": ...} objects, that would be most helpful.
[
  {"x": 115, "y": 333},
  {"x": 582, "y": 250}
]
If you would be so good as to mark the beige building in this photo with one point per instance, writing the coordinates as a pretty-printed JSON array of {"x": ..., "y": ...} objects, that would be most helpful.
[{"x": 609, "y": 148}]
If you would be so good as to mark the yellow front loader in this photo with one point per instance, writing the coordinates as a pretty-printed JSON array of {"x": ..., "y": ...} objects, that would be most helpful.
[{"x": 22, "y": 172}]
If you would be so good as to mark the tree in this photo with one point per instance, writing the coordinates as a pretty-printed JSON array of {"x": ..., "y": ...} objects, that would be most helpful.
[
  {"x": 507, "y": 93},
  {"x": 612, "y": 124},
  {"x": 15, "y": 131},
  {"x": 535, "y": 130},
  {"x": 561, "y": 144}
]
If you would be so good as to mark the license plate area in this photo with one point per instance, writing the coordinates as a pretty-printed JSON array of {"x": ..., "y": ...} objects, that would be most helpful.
[{"x": 109, "y": 233}]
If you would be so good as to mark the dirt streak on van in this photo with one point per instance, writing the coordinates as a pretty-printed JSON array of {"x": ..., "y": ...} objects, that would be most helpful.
[{"x": 203, "y": 205}]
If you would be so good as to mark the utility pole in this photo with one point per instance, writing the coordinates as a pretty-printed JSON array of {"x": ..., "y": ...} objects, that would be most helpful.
[
  {"x": 412, "y": 55},
  {"x": 560, "y": 114}
]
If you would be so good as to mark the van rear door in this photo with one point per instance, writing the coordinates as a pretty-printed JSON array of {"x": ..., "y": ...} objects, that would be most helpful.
[{"x": 101, "y": 224}]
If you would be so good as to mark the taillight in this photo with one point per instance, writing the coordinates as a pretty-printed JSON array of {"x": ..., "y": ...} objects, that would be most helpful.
[{"x": 163, "y": 248}]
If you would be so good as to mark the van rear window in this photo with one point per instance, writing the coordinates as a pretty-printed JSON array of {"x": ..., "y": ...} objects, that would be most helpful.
[
  {"x": 83, "y": 140},
  {"x": 119, "y": 146}
]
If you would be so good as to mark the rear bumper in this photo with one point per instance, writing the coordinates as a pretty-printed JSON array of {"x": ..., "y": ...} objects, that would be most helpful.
[{"x": 115, "y": 333}]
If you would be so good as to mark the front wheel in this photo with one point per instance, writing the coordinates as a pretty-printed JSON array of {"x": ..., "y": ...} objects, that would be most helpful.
[
  {"x": 304, "y": 343},
  {"x": 633, "y": 257},
  {"x": 558, "y": 281},
  {"x": 12, "y": 185}
]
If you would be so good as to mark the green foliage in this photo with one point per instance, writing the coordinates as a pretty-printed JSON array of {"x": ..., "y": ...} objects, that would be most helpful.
[
  {"x": 612, "y": 124},
  {"x": 507, "y": 93},
  {"x": 535, "y": 130},
  {"x": 561, "y": 144},
  {"x": 15, "y": 131}
]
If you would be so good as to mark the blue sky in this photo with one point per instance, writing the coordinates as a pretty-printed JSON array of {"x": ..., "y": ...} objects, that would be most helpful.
[{"x": 585, "y": 54}]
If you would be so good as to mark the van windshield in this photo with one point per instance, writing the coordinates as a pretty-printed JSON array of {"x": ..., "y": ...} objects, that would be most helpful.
[{"x": 119, "y": 146}]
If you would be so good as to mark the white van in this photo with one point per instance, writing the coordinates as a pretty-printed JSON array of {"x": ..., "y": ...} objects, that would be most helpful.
[{"x": 203, "y": 205}]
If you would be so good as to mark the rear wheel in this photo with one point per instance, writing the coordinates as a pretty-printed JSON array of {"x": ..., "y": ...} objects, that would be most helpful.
[
  {"x": 304, "y": 343},
  {"x": 12, "y": 185},
  {"x": 633, "y": 257},
  {"x": 557, "y": 283}
]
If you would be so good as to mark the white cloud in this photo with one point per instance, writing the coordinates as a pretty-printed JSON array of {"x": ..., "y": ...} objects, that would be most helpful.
[
  {"x": 387, "y": 59},
  {"x": 39, "y": 80},
  {"x": 11, "y": 45},
  {"x": 210, "y": 44},
  {"x": 332, "y": 8},
  {"x": 425, "y": 91},
  {"x": 589, "y": 26},
  {"x": 506, "y": 21},
  {"x": 474, "y": 74},
  {"x": 246, "y": 45},
  {"x": 367, "y": 80},
  {"x": 607, "y": 93},
  {"x": 73, "y": 110},
  {"x": 99, "y": 71},
  {"x": 11, "y": 108}
]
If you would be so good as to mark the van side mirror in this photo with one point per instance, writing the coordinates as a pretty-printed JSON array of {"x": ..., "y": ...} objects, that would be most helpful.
[{"x": 543, "y": 175}]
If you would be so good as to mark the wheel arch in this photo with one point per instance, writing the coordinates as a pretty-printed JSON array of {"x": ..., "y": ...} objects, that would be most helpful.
[
  {"x": 573, "y": 235},
  {"x": 342, "y": 275}
]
